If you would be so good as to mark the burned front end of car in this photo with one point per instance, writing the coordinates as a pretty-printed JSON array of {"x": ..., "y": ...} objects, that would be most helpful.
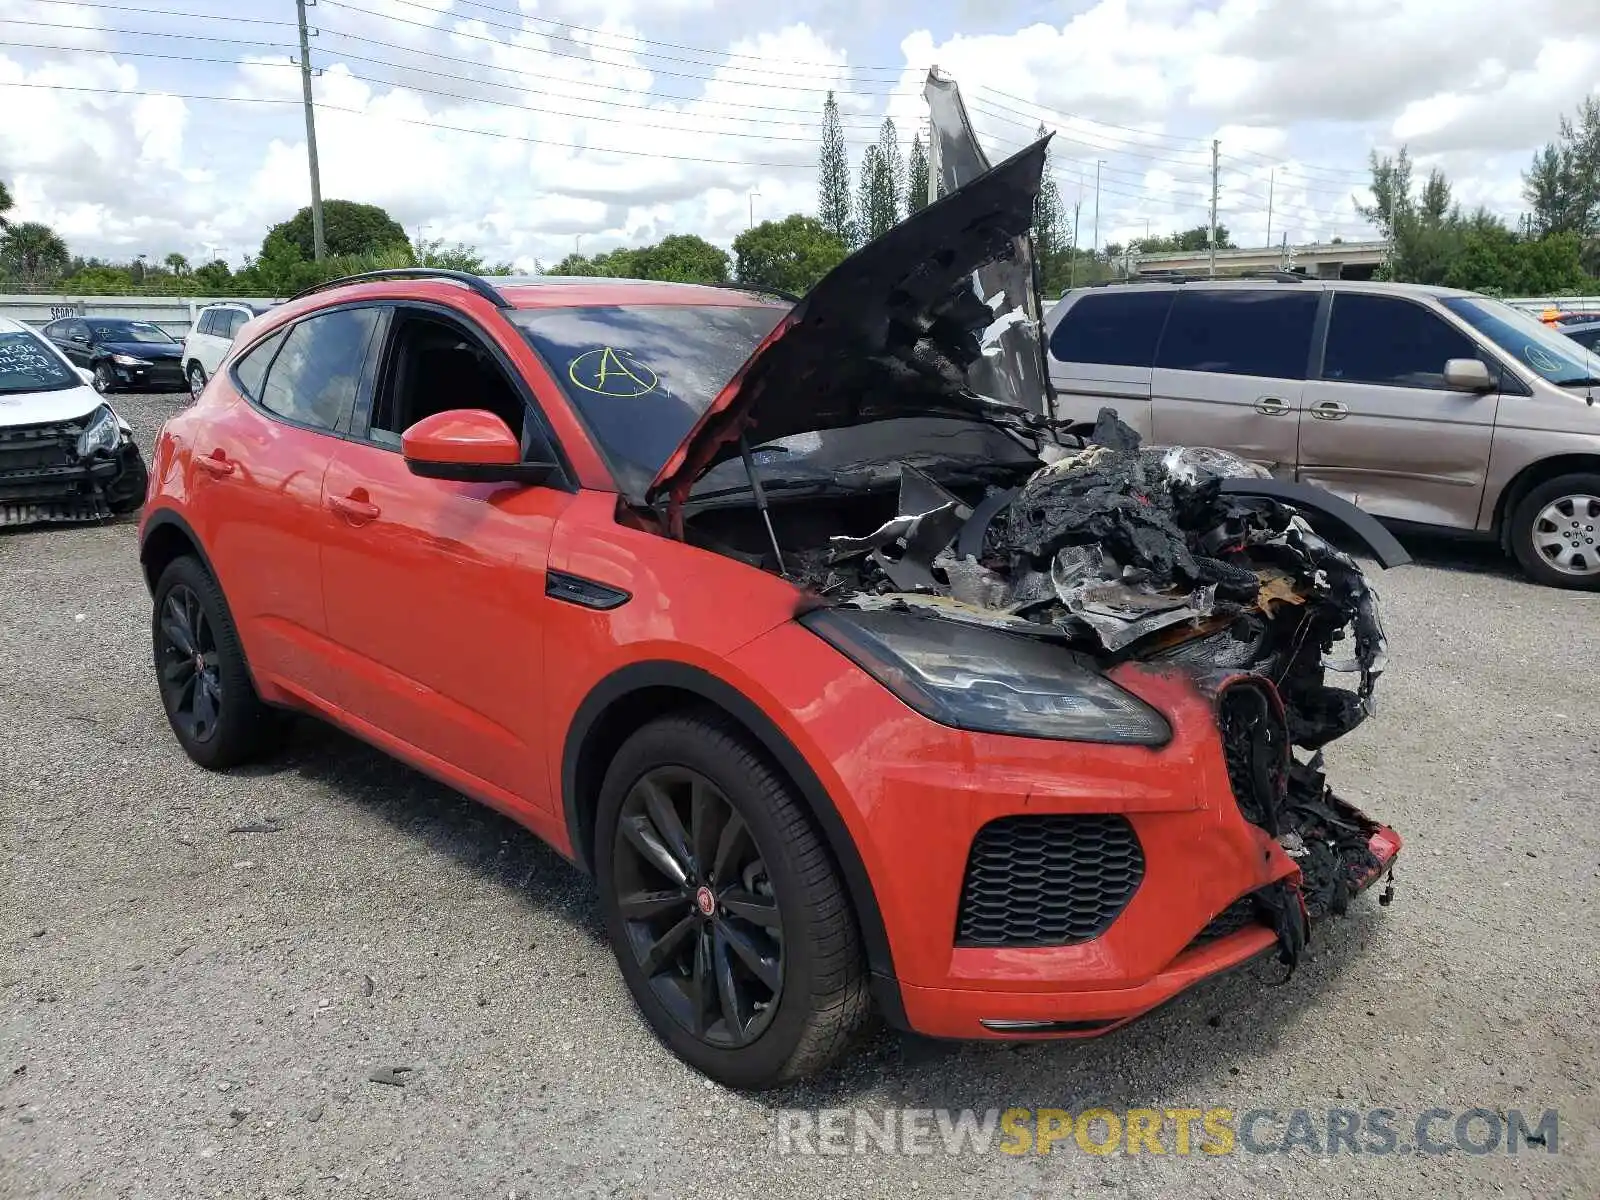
[{"x": 80, "y": 469}]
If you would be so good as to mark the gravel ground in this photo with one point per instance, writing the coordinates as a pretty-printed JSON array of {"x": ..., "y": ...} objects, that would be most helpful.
[{"x": 191, "y": 1010}]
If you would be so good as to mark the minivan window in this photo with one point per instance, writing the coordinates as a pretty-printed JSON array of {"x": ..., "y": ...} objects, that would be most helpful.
[
  {"x": 313, "y": 379},
  {"x": 1555, "y": 356},
  {"x": 1391, "y": 342},
  {"x": 1114, "y": 328},
  {"x": 1240, "y": 332}
]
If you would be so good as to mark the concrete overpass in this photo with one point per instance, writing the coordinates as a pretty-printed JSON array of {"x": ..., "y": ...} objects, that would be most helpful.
[{"x": 1321, "y": 260}]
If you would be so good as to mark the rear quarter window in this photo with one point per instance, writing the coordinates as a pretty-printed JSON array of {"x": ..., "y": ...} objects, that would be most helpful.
[{"x": 1113, "y": 328}]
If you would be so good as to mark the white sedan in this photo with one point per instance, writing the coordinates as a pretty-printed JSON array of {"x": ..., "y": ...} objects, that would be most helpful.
[{"x": 65, "y": 454}]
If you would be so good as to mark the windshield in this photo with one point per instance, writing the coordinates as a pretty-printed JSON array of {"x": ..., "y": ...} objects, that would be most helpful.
[
  {"x": 128, "y": 331},
  {"x": 1535, "y": 345},
  {"x": 28, "y": 365},
  {"x": 640, "y": 376}
]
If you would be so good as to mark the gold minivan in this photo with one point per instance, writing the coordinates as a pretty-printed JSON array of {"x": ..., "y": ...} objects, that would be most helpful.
[{"x": 1424, "y": 406}]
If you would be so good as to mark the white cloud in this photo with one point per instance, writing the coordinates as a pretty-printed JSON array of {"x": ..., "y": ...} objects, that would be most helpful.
[{"x": 551, "y": 133}]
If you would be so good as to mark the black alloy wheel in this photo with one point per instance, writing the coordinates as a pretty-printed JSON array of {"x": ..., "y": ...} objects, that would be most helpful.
[
  {"x": 699, "y": 908},
  {"x": 731, "y": 925},
  {"x": 191, "y": 672},
  {"x": 204, "y": 680}
]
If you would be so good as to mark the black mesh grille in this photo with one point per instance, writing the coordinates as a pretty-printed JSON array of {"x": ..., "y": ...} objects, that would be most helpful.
[
  {"x": 1047, "y": 880},
  {"x": 1238, "y": 915},
  {"x": 1255, "y": 745}
]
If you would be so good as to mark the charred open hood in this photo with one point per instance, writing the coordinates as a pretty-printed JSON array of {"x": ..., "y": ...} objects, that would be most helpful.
[{"x": 893, "y": 331}]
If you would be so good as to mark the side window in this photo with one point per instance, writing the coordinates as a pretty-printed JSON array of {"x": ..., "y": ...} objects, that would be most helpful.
[
  {"x": 208, "y": 322},
  {"x": 1244, "y": 332},
  {"x": 1114, "y": 328},
  {"x": 433, "y": 366},
  {"x": 55, "y": 331},
  {"x": 251, "y": 370},
  {"x": 78, "y": 329},
  {"x": 313, "y": 379},
  {"x": 1386, "y": 340},
  {"x": 235, "y": 322}
]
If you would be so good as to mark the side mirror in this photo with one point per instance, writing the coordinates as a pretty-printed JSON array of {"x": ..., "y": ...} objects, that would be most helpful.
[
  {"x": 1468, "y": 375},
  {"x": 469, "y": 445},
  {"x": 85, "y": 374}
]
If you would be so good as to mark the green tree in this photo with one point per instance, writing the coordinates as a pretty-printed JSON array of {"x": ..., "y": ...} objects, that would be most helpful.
[
  {"x": 833, "y": 175},
  {"x": 214, "y": 278},
  {"x": 6, "y": 204},
  {"x": 574, "y": 264},
  {"x": 348, "y": 228},
  {"x": 33, "y": 253},
  {"x": 1188, "y": 241},
  {"x": 1563, "y": 182},
  {"x": 176, "y": 263},
  {"x": 877, "y": 209},
  {"x": 460, "y": 257},
  {"x": 683, "y": 258},
  {"x": 790, "y": 255},
  {"x": 893, "y": 165},
  {"x": 917, "y": 176}
]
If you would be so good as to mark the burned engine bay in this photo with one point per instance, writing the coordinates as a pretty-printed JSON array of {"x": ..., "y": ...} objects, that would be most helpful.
[{"x": 1179, "y": 556}]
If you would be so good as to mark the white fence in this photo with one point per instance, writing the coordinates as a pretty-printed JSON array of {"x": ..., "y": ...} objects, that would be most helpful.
[
  {"x": 1539, "y": 304},
  {"x": 175, "y": 314}
]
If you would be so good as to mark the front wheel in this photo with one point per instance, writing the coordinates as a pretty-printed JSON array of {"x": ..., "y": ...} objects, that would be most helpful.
[
  {"x": 103, "y": 380},
  {"x": 1555, "y": 532},
  {"x": 728, "y": 919},
  {"x": 210, "y": 700},
  {"x": 197, "y": 380}
]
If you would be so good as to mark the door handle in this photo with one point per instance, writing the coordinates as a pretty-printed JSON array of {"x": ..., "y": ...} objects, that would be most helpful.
[
  {"x": 1271, "y": 406},
  {"x": 355, "y": 507},
  {"x": 216, "y": 463},
  {"x": 1330, "y": 410}
]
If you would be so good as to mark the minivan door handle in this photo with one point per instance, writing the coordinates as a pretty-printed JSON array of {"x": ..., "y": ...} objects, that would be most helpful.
[
  {"x": 1330, "y": 410},
  {"x": 1271, "y": 406}
]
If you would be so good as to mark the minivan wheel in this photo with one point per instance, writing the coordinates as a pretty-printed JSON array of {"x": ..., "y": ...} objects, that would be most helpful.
[
  {"x": 1555, "y": 532},
  {"x": 210, "y": 700},
  {"x": 197, "y": 380},
  {"x": 728, "y": 919}
]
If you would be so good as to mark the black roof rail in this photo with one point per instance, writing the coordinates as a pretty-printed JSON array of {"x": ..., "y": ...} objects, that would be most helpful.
[{"x": 465, "y": 278}]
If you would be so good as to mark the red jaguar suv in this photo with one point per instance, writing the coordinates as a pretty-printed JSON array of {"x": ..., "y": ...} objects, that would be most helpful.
[{"x": 855, "y": 687}]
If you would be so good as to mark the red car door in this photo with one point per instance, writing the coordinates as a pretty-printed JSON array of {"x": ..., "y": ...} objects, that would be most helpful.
[
  {"x": 256, "y": 471},
  {"x": 435, "y": 590}
]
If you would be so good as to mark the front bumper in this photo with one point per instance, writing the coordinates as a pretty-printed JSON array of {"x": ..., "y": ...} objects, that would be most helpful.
[
  {"x": 42, "y": 479},
  {"x": 915, "y": 795},
  {"x": 160, "y": 376}
]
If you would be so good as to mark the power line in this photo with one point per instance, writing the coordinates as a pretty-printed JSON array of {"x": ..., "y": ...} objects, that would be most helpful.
[
  {"x": 765, "y": 72},
  {"x": 159, "y": 12}
]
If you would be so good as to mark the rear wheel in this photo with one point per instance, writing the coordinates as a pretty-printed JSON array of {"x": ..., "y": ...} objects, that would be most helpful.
[
  {"x": 205, "y": 682},
  {"x": 197, "y": 380},
  {"x": 729, "y": 922},
  {"x": 1555, "y": 532}
]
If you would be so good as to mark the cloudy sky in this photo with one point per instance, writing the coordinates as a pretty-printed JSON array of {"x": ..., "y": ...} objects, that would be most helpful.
[{"x": 528, "y": 127}]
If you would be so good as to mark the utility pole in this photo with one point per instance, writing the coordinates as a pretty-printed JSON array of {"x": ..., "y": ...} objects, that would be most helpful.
[
  {"x": 753, "y": 196},
  {"x": 318, "y": 240},
  {"x": 1272, "y": 178},
  {"x": 1098, "y": 163},
  {"x": 1072, "y": 261},
  {"x": 1215, "y": 145}
]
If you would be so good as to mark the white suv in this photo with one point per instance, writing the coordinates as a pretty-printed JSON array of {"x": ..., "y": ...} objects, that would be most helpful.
[{"x": 208, "y": 342}]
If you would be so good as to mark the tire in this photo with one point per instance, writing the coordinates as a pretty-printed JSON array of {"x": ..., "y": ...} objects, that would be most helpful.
[
  {"x": 240, "y": 727},
  {"x": 104, "y": 382},
  {"x": 1555, "y": 532},
  {"x": 784, "y": 869},
  {"x": 197, "y": 380}
]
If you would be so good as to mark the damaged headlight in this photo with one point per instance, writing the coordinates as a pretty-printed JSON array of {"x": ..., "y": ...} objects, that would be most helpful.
[
  {"x": 103, "y": 432},
  {"x": 989, "y": 682}
]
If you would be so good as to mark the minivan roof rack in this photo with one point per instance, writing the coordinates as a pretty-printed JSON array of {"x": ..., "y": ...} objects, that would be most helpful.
[{"x": 466, "y": 278}]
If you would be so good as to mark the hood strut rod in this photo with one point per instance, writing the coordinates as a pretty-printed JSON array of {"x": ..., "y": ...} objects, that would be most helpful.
[{"x": 760, "y": 494}]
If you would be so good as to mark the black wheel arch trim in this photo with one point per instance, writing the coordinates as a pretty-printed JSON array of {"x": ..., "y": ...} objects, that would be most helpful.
[
  {"x": 1321, "y": 502},
  {"x": 166, "y": 518},
  {"x": 686, "y": 678}
]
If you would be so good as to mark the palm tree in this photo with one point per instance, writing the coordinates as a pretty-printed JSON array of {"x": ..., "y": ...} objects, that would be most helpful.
[
  {"x": 177, "y": 263},
  {"x": 5, "y": 207},
  {"x": 33, "y": 251}
]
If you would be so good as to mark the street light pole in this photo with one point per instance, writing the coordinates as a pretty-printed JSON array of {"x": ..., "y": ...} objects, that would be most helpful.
[
  {"x": 753, "y": 196},
  {"x": 1098, "y": 163}
]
